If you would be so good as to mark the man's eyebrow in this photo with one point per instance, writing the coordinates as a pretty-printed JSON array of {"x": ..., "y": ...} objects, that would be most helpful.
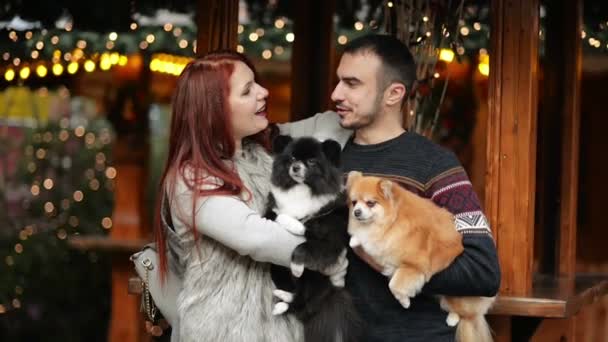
[{"x": 350, "y": 79}]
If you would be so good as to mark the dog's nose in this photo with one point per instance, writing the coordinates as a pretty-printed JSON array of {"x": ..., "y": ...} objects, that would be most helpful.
[
  {"x": 357, "y": 213},
  {"x": 295, "y": 168}
]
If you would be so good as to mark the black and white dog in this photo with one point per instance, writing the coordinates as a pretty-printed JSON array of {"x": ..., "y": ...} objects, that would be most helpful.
[{"x": 306, "y": 184}]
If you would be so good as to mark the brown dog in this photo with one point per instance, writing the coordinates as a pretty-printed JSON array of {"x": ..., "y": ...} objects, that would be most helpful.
[{"x": 411, "y": 238}]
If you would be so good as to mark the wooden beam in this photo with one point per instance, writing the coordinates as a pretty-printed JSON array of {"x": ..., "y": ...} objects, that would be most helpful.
[
  {"x": 573, "y": 21},
  {"x": 217, "y": 22},
  {"x": 511, "y": 150},
  {"x": 312, "y": 59}
]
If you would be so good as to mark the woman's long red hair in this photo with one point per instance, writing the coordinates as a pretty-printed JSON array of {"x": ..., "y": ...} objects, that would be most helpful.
[{"x": 201, "y": 137}]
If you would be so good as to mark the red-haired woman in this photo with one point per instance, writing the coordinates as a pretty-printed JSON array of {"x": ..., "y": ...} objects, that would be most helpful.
[{"x": 214, "y": 186}]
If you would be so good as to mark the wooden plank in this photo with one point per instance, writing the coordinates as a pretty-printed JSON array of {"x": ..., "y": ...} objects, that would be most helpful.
[
  {"x": 554, "y": 297},
  {"x": 511, "y": 150},
  {"x": 106, "y": 244},
  {"x": 312, "y": 61},
  {"x": 217, "y": 22}
]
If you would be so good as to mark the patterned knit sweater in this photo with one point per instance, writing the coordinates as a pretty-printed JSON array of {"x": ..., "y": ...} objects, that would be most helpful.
[{"x": 432, "y": 172}]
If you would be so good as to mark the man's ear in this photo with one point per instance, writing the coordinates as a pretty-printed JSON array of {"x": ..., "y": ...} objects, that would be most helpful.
[
  {"x": 395, "y": 93},
  {"x": 386, "y": 188},
  {"x": 352, "y": 177},
  {"x": 332, "y": 150},
  {"x": 280, "y": 142}
]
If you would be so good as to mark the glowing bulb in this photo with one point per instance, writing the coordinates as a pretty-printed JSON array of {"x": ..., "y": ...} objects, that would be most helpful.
[
  {"x": 72, "y": 68},
  {"x": 41, "y": 71},
  {"x": 89, "y": 66},
  {"x": 290, "y": 37},
  {"x": 446, "y": 55},
  {"x": 9, "y": 75},
  {"x": 57, "y": 69},
  {"x": 24, "y": 73}
]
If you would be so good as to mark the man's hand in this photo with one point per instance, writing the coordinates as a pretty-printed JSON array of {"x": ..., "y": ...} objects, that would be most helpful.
[
  {"x": 367, "y": 258},
  {"x": 337, "y": 271}
]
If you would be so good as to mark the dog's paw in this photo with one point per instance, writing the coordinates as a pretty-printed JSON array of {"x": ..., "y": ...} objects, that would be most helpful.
[
  {"x": 280, "y": 308},
  {"x": 284, "y": 296},
  {"x": 297, "y": 269},
  {"x": 291, "y": 224},
  {"x": 403, "y": 299},
  {"x": 354, "y": 242},
  {"x": 452, "y": 319}
]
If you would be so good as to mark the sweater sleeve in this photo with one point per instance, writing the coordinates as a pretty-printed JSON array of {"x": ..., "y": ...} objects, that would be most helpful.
[
  {"x": 322, "y": 126},
  {"x": 476, "y": 271},
  {"x": 231, "y": 222}
]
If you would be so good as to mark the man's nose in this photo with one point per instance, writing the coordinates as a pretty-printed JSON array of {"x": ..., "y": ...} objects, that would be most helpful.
[{"x": 336, "y": 95}]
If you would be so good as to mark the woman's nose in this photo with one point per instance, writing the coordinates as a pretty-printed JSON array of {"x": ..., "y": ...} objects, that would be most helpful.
[{"x": 263, "y": 93}]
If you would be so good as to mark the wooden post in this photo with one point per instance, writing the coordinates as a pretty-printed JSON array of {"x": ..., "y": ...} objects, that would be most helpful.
[
  {"x": 312, "y": 58},
  {"x": 217, "y": 22},
  {"x": 511, "y": 150},
  {"x": 571, "y": 111}
]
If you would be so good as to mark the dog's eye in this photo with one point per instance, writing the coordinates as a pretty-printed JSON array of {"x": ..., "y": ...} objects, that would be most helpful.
[
  {"x": 370, "y": 204},
  {"x": 292, "y": 159},
  {"x": 353, "y": 203},
  {"x": 311, "y": 162}
]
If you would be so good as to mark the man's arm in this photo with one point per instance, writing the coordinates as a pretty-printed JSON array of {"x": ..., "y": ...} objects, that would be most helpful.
[
  {"x": 476, "y": 271},
  {"x": 322, "y": 126}
]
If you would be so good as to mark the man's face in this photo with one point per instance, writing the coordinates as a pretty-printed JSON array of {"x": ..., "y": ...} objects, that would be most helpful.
[{"x": 357, "y": 96}]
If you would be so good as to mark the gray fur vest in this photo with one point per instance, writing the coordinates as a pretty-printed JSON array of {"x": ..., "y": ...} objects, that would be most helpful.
[{"x": 227, "y": 297}]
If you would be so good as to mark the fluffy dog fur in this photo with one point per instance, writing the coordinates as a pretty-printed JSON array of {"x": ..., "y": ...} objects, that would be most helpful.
[
  {"x": 307, "y": 186},
  {"x": 412, "y": 239}
]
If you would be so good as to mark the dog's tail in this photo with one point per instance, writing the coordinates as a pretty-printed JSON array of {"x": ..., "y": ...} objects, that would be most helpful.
[
  {"x": 473, "y": 329},
  {"x": 336, "y": 321}
]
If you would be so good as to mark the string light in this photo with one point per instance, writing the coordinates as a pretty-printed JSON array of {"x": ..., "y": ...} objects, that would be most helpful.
[
  {"x": 89, "y": 66},
  {"x": 358, "y": 26},
  {"x": 279, "y": 23},
  {"x": 72, "y": 68},
  {"x": 106, "y": 223},
  {"x": 253, "y": 36},
  {"x": 41, "y": 71},
  {"x": 240, "y": 29},
  {"x": 342, "y": 39},
  {"x": 290, "y": 37},
  {"x": 78, "y": 196},
  {"x": 9, "y": 75},
  {"x": 133, "y": 26},
  {"x": 266, "y": 54},
  {"x": 168, "y": 27},
  {"x": 24, "y": 73},
  {"x": 57, "y": 69},
  {"x": 446, "y": 55}
]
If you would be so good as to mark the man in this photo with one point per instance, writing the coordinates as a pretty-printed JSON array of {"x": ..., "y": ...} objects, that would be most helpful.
[{"x": 375, "y": 75}]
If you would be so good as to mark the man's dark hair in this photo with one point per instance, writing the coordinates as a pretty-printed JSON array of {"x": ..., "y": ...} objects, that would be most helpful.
[{"x": 397, "y": 62}]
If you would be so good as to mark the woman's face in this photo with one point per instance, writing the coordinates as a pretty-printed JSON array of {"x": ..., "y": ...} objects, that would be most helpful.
[{"x": 247, "y": 102}]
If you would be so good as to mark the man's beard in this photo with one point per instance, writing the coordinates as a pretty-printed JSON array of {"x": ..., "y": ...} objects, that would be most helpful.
[{"x": 364, "y": 120}]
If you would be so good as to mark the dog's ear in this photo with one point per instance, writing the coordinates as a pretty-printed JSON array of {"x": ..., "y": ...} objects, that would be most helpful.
[
  {"x": 280, "y": 142},
  {"x": 352, "y": 177},
  {"x": 332, "y": 150},
  {"x": 386, "y": 188}
]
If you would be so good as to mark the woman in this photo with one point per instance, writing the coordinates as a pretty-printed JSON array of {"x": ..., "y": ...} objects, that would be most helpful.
[{"x": 214, "y": 185}]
